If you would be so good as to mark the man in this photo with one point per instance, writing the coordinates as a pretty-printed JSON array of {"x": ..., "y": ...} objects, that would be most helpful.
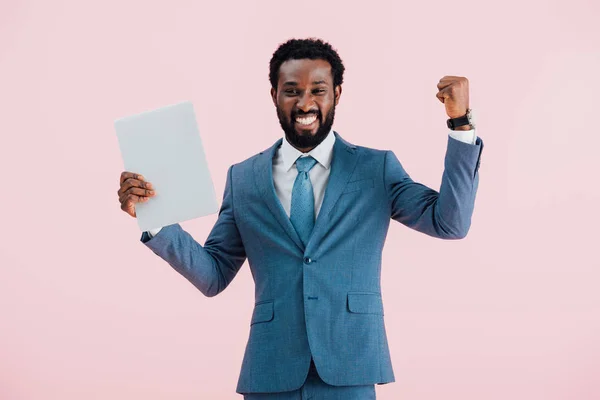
[{"x": 311, "y": 214}]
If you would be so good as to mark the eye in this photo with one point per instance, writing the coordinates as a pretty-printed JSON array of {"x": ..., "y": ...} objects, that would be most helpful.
[
  {"x": 319, "y": 91},
  {"x": 291, "y": 92}
]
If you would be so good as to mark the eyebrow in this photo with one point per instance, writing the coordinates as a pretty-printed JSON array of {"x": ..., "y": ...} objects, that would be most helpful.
[{"x": 292, "y": 83}]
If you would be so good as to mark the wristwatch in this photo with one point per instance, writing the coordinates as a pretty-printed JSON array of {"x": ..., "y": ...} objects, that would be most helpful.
[{"x": 467, "y": 119}]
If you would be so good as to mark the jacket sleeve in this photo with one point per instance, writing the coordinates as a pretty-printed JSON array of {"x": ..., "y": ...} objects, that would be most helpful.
[
  {"x": 447, "y": 214},
  {"x": 211, "y": 267}
]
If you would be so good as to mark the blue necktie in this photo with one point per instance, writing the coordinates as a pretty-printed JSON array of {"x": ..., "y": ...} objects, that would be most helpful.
[{"x": 302, "y": 213}]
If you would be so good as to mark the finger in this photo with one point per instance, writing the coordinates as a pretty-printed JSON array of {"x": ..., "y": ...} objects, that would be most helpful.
[
  {"x": 448, "y": 92},
  {"x": 131, "y": 182},
  {"x": 451, "y": 78},
  {"x": 445, "y": 84},
  {"x": 130, "y": 200},
  {"x": 456, "y": 80},
  {"x": 442, "y": 95},
  {"x": 140, "y": 193},
  {"x": 126, "y": 174}
]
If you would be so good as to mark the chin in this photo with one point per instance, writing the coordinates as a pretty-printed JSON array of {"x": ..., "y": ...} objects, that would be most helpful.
[{"x": 307, "y": 132}]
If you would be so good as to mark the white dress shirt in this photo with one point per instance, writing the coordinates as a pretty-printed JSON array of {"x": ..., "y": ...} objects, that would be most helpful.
[{"x": 285, "y": 172}]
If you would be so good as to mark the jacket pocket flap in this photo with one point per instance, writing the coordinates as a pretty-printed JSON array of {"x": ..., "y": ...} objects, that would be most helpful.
[
  {"x": 263, "y": 312},
  {"x": 358, "y": 185},
  {"x": 365, "y": 303}
]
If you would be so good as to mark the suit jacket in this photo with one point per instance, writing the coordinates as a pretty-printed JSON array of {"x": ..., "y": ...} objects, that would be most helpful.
[{"x": 322, "y": 300}]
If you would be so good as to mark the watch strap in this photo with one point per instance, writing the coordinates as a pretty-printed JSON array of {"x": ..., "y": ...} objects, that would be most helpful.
[{"x": 456, "y": 122}]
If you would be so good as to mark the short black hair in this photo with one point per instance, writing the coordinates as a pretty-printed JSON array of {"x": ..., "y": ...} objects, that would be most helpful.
[{"x": 314, "y": 49}]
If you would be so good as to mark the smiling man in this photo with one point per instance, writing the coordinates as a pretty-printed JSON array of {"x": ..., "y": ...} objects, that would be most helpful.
[
  {"x": 311, "y": 214},
  {"x": 303, "y": 91}
]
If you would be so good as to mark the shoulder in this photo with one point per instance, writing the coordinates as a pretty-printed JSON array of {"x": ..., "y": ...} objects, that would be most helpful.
[
  {"x": 363, "y": 151},
  {"x": 369, "y": 154},
  {"x": 247, "y": 163},
  {"x": 371, "y": 161},
  {"x": 245, "y": 168},
  {"x": 369, "y": 151}
]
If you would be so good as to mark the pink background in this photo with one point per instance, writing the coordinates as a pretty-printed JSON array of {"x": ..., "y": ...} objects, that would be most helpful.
[{"x": 88, "y": 312}]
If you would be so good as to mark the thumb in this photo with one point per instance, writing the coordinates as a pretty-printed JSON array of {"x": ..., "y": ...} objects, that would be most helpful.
[{"x": 440, "y": 96}]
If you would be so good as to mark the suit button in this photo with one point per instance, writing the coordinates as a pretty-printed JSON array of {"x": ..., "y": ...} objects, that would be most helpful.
[{"x": 307, "y": 260}]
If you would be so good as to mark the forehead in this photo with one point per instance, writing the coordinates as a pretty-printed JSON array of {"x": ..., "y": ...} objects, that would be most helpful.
[{"x": 305, "y": 71}]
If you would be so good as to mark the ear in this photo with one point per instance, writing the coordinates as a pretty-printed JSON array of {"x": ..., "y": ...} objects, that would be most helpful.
[
  {"x": 274, "y": 96},
  {"x": 338, "y": 93}
]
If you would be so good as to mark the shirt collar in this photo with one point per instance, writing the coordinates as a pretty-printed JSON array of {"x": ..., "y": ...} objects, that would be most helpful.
[{"x": 322, "y": 153}]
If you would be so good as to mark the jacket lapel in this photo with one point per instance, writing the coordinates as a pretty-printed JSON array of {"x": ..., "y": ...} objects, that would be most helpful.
[
  {"x": 263, "y": 175},
  {"x": 343, "y": 163}
]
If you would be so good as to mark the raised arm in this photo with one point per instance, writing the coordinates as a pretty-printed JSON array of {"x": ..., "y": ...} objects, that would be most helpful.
[{"x": 445, "y": 214}]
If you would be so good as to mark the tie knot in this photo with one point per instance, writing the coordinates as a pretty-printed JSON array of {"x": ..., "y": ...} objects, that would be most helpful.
[{"x": 304, "y": 164}]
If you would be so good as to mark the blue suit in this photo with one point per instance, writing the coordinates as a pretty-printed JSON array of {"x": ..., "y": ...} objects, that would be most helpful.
[{"x": 322, "y": 300}]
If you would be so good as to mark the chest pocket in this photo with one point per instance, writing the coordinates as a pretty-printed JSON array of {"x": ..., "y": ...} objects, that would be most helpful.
[
  {"x": 358, "y": 185},
  {"x": 348, "y": 206}
]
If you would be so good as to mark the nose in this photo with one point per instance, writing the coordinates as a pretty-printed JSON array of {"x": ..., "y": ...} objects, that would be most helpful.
[{"x": 306, "y": 102}]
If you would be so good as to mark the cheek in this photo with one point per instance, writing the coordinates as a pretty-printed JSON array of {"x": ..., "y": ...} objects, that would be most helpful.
[
  {"x": 285, "y": 107},
  {"x": 325, "y": 105},
  {"x": 324, "y": 109}
]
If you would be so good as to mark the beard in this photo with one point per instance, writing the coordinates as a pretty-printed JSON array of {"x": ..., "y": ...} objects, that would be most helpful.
[{"x": 307, "y": 140}]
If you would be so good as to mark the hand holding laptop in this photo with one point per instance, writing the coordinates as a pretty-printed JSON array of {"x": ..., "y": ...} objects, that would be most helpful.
[{"x": 134, "y": 189}]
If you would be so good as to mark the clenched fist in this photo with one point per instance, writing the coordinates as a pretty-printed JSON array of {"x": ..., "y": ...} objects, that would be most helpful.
[
  {"x": 454, "y": 93},
  {"x": 134, "y": 189}
]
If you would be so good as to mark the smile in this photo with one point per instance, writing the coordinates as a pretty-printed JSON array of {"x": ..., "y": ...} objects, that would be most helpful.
[{"x": 306, "y": 120}]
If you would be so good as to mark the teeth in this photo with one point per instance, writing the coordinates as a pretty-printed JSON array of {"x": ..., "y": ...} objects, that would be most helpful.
[{"x": 306, "y": 120}]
